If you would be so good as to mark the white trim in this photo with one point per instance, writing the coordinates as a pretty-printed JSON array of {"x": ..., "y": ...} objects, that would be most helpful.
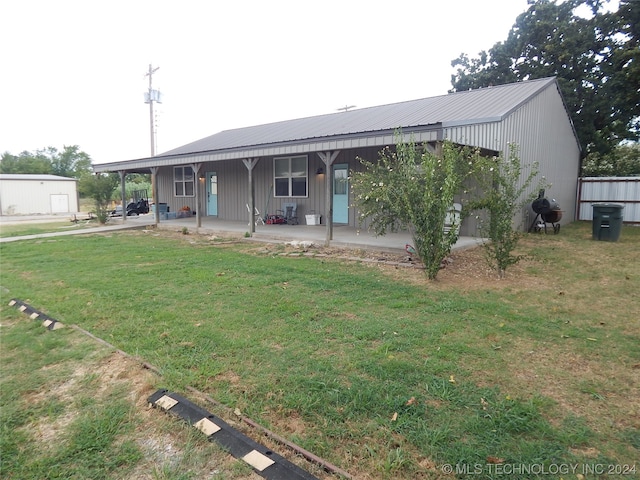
[
  {"x": 290, "y": 177},
  {"x": 184, "y": 181}
]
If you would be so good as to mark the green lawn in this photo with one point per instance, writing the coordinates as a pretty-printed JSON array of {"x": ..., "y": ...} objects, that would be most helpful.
[
  {"x": 376, "y": 369},
  {"x": 26, "y": 228}
]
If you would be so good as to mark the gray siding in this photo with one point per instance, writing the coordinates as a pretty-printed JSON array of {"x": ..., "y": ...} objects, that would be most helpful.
[
  {"x": 542, "y": 130},
  {"x": 482, "y": 135},
  {"x": 543, "y": 133},
  {"x": 233, "y": 186}
]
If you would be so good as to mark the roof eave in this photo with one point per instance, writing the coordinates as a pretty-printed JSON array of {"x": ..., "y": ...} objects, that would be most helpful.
[{"x": 300, "y": 146}]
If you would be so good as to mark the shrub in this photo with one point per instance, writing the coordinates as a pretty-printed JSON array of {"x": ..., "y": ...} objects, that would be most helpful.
[{"x": 413, "y": 189}]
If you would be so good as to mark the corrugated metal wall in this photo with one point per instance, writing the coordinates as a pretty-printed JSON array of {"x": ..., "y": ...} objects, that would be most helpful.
[
  {"x": 541, "y": 130},
  {"x": 233, "y": 186},
  {"x": 623, "y": 190},
  {"x": 35, "y": 196},
  {"x": 483, "y": 135}
]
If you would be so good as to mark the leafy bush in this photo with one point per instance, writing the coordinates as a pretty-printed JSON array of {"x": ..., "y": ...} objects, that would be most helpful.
[
  {"x": 501, "y": 197},
  {"x": 100, "y": 188},
  {"x": 623, "y": 161},
  {"x": 413, "y": 189}
]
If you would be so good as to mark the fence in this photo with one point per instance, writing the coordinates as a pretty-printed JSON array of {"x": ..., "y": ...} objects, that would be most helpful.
[{"x": 623, "y": 190}]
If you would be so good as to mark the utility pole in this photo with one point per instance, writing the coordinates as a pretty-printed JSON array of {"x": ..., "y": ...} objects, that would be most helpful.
[{"x": 150, "y": 97}]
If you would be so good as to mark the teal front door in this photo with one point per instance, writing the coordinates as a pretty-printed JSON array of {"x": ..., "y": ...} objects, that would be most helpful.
[
  {"x": 212, "y": 193},
  {"x": 341, "y": 193}
]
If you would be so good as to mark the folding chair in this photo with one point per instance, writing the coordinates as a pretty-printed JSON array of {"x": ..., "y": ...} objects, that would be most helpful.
[{"x": 257, "y": 218}]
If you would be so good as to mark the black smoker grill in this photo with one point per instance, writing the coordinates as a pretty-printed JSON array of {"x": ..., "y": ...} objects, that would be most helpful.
[{"x": 547, "y": 211}]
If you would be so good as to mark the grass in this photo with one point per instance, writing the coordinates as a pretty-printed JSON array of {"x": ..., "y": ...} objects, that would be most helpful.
[
  {"x": 379, "y": 371},
  {"x": 87, "y": 448},
  {"x": 25, "y": 228},
  {"x": 70, "y": 408}
]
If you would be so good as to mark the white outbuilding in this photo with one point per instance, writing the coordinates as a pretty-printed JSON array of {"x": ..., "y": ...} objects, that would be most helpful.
[{"x": 37, "y": 194}]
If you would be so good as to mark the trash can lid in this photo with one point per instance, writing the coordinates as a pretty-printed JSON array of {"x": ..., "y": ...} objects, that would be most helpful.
[{"x": 608, "y": 205}]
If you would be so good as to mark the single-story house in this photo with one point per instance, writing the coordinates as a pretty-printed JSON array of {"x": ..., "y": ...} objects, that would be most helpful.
[
  {"x": 37, "y": 194},
  {"x": 307, "y": 161}
]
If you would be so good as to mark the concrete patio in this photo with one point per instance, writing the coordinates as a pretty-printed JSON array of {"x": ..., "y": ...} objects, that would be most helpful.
[{"x": 343, "y": 236}]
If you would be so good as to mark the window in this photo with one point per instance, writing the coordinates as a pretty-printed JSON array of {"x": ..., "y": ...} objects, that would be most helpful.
[
  {"x": 183, "y": 181},
  {"x": 290, "y": 175}
]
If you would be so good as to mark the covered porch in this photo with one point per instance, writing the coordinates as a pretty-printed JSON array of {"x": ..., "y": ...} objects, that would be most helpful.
[{"x": 343, "y": 235}]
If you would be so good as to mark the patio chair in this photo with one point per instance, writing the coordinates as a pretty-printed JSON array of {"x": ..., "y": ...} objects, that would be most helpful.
[
  {"x": 257, "y": 218},
  {"x": 290, "y": 213}
]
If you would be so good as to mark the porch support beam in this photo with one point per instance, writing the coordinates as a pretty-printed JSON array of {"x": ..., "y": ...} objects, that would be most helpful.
[
  {"x": 328, "y": 158},
  {"x": 123, "y": 194},
  {"x": 250, "y": 163},
  {"x": 196, "y": 171},
  {"x": 154, "y": 194}
]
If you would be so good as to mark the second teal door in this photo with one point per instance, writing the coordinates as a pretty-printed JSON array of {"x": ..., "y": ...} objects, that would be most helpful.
[{"x": 341, "y": 193}]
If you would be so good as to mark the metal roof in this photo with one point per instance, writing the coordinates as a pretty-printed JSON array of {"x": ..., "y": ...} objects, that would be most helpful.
[
  {"x": 491, "y": 104},
  {"x": 473, "y": 106},
  {"x": 35, "y": 177}
]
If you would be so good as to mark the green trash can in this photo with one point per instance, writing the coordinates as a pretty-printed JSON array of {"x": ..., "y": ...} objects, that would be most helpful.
[{"x": 607, "y": 221}]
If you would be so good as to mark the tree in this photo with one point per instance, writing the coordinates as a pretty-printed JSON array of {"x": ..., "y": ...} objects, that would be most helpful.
[
  {"x": 25, "y": 163},
  {"x": 595, "y": 60},
  {"x": 623, "y": 161},
  {"x": 412, "y": 189},
  {"x": 100, "y": 188},
  {"x": 71, "y": 162},
  {"x": 500, "y": 196}
]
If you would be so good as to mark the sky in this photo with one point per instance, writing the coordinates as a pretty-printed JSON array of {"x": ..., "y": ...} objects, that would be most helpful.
[{"x": 72, "y": 72}]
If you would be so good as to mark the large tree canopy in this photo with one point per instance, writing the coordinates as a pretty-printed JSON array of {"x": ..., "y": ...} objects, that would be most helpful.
[
  {"x": 71, "y": 162},
  {"x": 595, "y": 57}
]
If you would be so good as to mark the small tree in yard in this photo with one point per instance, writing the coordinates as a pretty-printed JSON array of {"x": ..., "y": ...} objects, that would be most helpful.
[
  {"x": 501, "y": 198},
  {"x": 100, "y": 188},
  {"x": 412, "y": 189}
]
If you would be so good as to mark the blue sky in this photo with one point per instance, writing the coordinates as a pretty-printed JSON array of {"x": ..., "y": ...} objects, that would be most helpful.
[{"x": 73, "y": 71}]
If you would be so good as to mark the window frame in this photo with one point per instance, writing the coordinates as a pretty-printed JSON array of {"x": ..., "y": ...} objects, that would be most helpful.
[
  {"x": 184, "y": 181},
  {"x": 290, "y": 177}
]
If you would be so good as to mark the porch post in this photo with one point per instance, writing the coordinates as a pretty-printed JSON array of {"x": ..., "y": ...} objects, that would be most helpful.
[
  {"x": 123, "y": 194},
  {"x": 250, "y": 163},
  {"x": 154, "y": 193},
  {"x": 196, "y": 171},
  {"x": 328, "y": 159}
]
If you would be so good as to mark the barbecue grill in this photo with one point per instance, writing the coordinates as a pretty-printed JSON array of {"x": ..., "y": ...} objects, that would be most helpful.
[{"x": 547, "y": 211}]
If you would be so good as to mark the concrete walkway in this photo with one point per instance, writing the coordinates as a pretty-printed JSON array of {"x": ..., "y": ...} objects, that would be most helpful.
[
  {"x": 343, "y": 236},
  {"x": 114, "y": 225}
]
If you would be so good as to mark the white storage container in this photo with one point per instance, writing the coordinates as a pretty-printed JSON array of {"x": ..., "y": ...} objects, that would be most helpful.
[{"x": 313, "y": 219}]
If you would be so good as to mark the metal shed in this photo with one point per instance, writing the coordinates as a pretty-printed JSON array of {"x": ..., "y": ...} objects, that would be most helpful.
[{"x": 37, "y": 194}]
